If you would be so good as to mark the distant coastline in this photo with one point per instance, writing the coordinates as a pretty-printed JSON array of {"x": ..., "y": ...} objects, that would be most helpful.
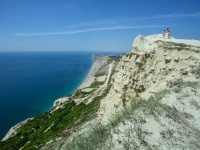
[
  {"x": 84, "y": 81},
  {"x": 36, "y": 80}
]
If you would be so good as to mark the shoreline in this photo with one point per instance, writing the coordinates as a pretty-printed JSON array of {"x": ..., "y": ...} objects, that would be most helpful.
[
  {"x": 34, "y": 89},
  {"x": 96, "y": 65},
  {"x": 13, "y": 129}
]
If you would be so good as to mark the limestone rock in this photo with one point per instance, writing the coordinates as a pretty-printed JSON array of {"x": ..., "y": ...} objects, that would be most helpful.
[{"x": 152, "y": 63}]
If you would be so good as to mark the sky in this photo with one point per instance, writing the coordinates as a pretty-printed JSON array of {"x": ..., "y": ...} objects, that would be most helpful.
[{"x": 95, "y": 25}]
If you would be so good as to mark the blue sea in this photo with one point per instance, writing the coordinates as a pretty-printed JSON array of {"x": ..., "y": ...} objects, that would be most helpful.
[{"x": 31, "y": 81}]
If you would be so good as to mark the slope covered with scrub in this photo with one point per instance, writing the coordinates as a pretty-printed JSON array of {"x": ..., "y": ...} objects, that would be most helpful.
[
  {"x": 150, "y": 100},
  {"x": 68, "y": 114},
  {"x": 154, "y": 100}
]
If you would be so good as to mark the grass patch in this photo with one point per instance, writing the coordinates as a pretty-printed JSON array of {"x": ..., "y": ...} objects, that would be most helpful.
[
  {"x": 93, "y": 140},
  {"x": 81, "y": 94},
  {"x": 114, "y": 58},
  {"x": 61, "y": 121},
  {"x": 179, "y": 84},
  {"x": 104, "y": 69},
  {"x": 96, "y": 84},
  {"x": 100, "y": 74},
  {"x": 96, "y": 137}
]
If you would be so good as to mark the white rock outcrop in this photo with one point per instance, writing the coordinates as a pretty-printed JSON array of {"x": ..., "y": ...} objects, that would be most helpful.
[{"x": 148, "y": 68}]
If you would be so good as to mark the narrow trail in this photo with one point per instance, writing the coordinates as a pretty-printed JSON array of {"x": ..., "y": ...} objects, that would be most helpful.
[
  {"x": 109, "y": 74},
  {"x": 99, "y": 91},
  {"x": 107, "y": 79}
]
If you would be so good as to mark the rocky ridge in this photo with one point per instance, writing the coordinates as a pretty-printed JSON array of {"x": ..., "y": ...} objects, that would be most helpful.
[
  {"x": 155, "y": 96},
  {"x": 151, "y": 65},
  {"x": 153, "y": 102}
]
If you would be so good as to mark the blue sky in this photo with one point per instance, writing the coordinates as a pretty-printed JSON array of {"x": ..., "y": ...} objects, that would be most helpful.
[{"x": 62, "y": 25}]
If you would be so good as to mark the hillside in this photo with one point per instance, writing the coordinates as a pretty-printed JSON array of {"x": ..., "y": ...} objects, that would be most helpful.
[
  {"x": 150, "y": 99},
  {"x": 157, "y": 88},
  {"x": 68, "y": 114},
  {"x": 149, "y": 68},
  {"x": 153, "y": 102}
]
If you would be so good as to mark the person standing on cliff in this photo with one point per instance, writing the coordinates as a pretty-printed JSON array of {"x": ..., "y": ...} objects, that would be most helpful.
[
  {"x": 168, "y": 31},
  {"x": 164, "y": 32}
]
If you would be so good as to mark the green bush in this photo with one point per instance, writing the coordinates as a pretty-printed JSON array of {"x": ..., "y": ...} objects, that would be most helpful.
[
  {"x": 96, "y": 84},
  {"x": 34, "y": 133},
  {"x": 60, "y": 121}
]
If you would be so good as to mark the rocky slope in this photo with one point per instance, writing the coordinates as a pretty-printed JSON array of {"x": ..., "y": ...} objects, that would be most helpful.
[
  {"x": 157, "y": 88},
  {"x": 69, "y": 116},
  {"x": 152, "y": 101},
  {"x": 151, "y": 65}
]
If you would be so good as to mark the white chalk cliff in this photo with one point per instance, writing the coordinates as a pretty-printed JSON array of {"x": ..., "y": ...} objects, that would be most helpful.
[{"x": 153, "y": 65}]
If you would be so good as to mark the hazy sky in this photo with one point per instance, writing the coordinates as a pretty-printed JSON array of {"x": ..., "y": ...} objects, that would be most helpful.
[{"x": 58, "y": 25}]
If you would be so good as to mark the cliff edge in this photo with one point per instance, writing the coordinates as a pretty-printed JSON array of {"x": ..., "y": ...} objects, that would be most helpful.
[
  {"x": 151, "y": 65},
  {"x": 155, "y": 96}
]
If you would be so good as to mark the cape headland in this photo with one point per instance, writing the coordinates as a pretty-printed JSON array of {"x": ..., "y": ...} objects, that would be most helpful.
[{"x": 148, "y": 99}]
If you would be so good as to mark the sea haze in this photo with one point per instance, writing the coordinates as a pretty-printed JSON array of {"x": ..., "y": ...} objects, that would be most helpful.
[{"x": 31, "y": 81}]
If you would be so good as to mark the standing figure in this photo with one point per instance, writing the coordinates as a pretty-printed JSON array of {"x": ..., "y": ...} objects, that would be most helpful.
[
  {"x": 164, "y": 32},
  {"x": 168, "y": 31}
]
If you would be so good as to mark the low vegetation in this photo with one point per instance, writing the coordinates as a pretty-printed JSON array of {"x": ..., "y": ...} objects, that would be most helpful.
[
  {"x": 114, "y": 58},
  {"x": 98, "y": 135},
  {"x": 96, "y": 84},
  {"x": 49, "y": 126},
  {"x": 180, "y": 84},
  {"x": 104, "y": 70},
  {"x": 61, "y": 123},
  {"x": 81, "y": 94}
]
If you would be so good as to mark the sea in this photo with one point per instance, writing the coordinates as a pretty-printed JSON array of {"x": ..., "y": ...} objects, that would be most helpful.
[{"x": 30, "y": 82}]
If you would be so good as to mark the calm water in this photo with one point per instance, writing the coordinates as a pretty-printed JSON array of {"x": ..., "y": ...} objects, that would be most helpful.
[{"x": 31, "y": 81}]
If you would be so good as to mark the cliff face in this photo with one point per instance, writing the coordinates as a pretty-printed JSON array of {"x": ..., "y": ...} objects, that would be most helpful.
[
  {"x": 156, "y": 95},
  {"x": 151, "y": 65},
  {"x": 153, "y": 100}
]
